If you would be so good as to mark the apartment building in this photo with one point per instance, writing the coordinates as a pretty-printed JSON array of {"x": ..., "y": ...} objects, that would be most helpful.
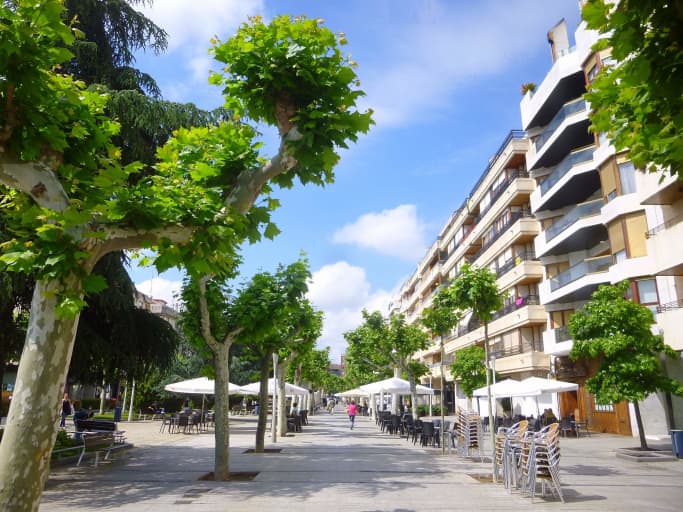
[
  {"x": 556, "y": 213},
  {"x": 492, "y": 228},
  {"x": 595, "y": 211}
]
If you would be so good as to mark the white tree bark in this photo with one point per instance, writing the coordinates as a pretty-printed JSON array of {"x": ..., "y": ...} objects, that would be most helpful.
[
  {"x": 281, "y": 398},
  {"x": 31, "y": 424},
  {"x": 222, "y": 433}
]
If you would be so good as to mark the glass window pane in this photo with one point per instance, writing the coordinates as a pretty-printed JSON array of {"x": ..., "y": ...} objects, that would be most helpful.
[
  {"x": 627, "y": 174},
  {"x": 647, "y": 291}
]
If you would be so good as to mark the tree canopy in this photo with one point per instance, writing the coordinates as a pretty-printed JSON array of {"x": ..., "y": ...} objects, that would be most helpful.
[
  {"x": 616, "y": 332},
  {"x": 380, "y": 345},
  {"x": 469, "y": 368},
  {"x": 637, "y": 98},
  {"x": 69, "y": 200}
]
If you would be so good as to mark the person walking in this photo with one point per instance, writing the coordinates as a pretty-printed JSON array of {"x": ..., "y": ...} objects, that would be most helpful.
[
  {"x": 67, "y": 410},
  {"x": 352, "y": 412}
]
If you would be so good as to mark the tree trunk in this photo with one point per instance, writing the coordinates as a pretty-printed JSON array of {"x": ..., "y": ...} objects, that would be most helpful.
[
  {"x": 263, "y": 405},
  {"x": 492, "y": 423},
  {"x": 31, "y": 424},
  {"x": 281, "y": 399},
  {"x": 639, "y": 422},
  {"x": 221, "y": 469},
  {"x": 443, "y": 392},
  {"x": 102, "y": 396},
  {"x": 413, "y": 394}
]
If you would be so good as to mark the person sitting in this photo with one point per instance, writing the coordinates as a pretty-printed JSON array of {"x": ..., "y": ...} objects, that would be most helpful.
[
  {"x": 81, "y": 414},
  {"x": 549, "y": 417}
]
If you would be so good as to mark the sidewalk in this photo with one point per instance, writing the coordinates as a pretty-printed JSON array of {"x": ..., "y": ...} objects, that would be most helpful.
[{"x": 328, "y": 467}]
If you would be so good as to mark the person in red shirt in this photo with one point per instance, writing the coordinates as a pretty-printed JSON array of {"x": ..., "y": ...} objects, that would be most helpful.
[{"x": 352, "y": 412}]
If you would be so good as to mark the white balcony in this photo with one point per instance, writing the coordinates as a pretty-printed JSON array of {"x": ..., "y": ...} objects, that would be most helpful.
[
  {"x": 621, "y": 205},
  {"x": 526, "y": 271},
  {"x": 576, "y": 283},
  {"x": 579, "y": 228},
  {"x": 565, "y": 178},
  {"x": 663, "y": 247},
  {"x": 670, "y": 320},
  {"x": 520, "y": 228},
  {"x": 526, "y": 361},
  {"x": 566, "y": 131},
  {"x": 632, "y": 267},
  {"x": 562, "y": 70},
  {"x": 557, "y": 342}
]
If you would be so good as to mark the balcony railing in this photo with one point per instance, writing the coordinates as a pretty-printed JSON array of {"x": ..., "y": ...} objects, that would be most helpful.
[
  {"x": 519, "y": 302},
  {"x": 500, "y": 351},
  {"x": 569, "y": 109},
  {"x": 580, "y": 211},
  {"x": 495, "y": 193},
  {"x": 587, "y": 266},
  {"x": 496, "y": 230},
  {"x": 572, "y": 159},
  {"x": 514, "y": 305},
  {"x": 670, "y": 306},
  {"x": 514, "y": 261}
]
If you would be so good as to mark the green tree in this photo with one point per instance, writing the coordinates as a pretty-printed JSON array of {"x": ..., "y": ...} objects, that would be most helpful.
[
  {"x": 214, "y": 318},
  {"x": 476, "y": 289},
  {"x": 272, "y": 303},
  {"x": 111, "y": 32},
  {"x": 439, "y": 319},
  {"x": 379, "y": 345},
  {"x": 313, "y": 368},
  {"x": 68, "y": 201},
  {"x": 298, "y": 333},
  {"x": 637, "y": 99},
  {"x": 616, "y": 332},
  {"x": 469, "y": 368}
]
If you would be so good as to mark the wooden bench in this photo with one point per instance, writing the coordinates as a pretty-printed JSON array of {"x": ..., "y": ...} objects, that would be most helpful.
[{"x": 100, "y": 442}]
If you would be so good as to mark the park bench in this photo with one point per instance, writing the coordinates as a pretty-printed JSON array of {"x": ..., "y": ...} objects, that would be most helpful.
[
  {"x": 100, "y": 442},
  {"x": 101, "y": 426}
]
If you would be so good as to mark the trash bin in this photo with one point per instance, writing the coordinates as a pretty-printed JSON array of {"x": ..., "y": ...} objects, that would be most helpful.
[
  {"x": 677, "y": 443},
  {"x": 117, "y": 414}
]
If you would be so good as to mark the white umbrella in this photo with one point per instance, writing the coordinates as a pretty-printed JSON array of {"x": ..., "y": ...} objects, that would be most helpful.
[
  {"x": 548, "y": 385},
  {"x": 353, "y": 392},
  {"x": 199, "y": 386},
  {"x": 394, "y": 385},
  {"x": 507, "y": 388},
  {"x": 290, "y": 389}
]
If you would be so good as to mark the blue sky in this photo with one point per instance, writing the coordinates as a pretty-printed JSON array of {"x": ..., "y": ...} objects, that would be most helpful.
[{"x": 443, "y": 78}]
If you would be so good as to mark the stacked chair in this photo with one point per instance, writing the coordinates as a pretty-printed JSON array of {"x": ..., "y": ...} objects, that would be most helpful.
[
  {"x": 540, "y": 461},
  {"x": 507, "y": 453},
  {"x": 469, "y": 433}
]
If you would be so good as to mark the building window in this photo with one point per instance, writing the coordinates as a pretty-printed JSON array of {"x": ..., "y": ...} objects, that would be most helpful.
[
  {"x": 627, "y": 176},
  {"x": 647, "y": 294},
  {"x": 592, "y": 72},
  {"x": 620, "y": 256}
]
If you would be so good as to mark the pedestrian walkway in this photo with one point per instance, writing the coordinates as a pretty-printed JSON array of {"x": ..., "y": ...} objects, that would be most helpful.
[{"x": 329, "y": 467}]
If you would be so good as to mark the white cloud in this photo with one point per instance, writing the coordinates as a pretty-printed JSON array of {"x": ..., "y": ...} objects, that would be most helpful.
[
  {"x": 443, "y": 46},
  {"x": 342, "y": 291},
  {"x": 193, "y": 24},
  {"x": 160, "y": 288},
  {"x": 190, "y": 27},
  {"x": 397, "y": 232}
]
